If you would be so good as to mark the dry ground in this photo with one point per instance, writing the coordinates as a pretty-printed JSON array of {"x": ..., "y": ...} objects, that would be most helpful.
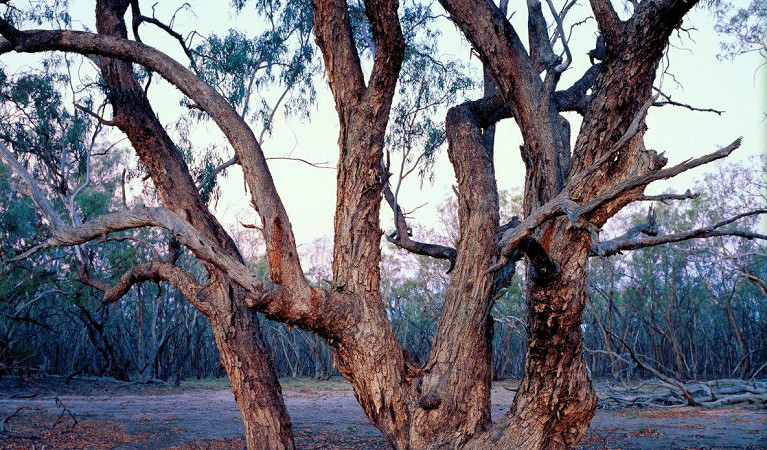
[{"x": 203, "y": 414}]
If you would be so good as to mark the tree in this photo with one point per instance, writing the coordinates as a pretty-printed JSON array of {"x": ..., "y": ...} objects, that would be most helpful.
[{"x": 569, "y": 195}]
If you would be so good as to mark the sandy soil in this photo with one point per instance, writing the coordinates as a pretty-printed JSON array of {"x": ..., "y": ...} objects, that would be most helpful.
[{"x": 327, "y": 415}]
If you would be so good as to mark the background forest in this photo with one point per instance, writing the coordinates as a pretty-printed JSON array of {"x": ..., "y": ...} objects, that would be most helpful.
[{"x": 696, "y": 309}]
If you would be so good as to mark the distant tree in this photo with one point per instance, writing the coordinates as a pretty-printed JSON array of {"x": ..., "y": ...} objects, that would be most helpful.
[{"x": 745, "y": 28}]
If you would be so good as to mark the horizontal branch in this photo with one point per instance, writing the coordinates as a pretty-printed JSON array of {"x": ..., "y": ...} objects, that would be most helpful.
[
  {"x": 688, "y": 195},
  {"x": 511, "y": 239},
  {"x": 613, "y": 246},
  {"x": 668, "y": 101}
]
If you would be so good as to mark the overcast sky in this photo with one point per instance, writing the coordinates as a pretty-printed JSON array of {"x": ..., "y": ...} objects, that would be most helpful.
[{"x": 736, "y": 86}]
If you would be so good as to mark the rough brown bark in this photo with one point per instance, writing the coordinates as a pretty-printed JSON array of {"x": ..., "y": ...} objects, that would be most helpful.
[{"x": 235, "y": 327}]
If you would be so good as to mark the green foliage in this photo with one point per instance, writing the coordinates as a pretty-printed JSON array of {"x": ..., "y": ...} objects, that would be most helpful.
[
  {"x": 427, "y": 86},
  {"x": 241, "y": 67},
  {"x": 746, "y": 28},
  {"x": 36, "y": 123}
]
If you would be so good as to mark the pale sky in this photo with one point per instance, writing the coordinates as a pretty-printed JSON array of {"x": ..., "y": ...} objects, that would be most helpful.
[{"x": 735, "y": 86}]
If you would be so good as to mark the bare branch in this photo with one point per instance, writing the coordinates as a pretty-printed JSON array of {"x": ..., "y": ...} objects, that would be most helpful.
[
  {"x": 401, "y": 237},
  {"x": 667, "y": 101},
  {"x": 156, "y": 271},
  {"x": 663, "y": 198},
  {"x": 563, "y": 205},
  {"x": 560, "y": 29},
  {"x": 64, "y": 235},
  {"x": 663, "y": 174},
  {"x": 139, "y": 18},
  {"x": 672, "y": 382},
  {"x": 93, "y": 114},
  {"x": 316, "y": 165},
  {"x": 626, "y": 242}
]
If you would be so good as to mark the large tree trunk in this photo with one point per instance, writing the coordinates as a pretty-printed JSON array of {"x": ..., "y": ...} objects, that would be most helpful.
[
  {"x": 235, "y": 326},
  {"x": 455, "y": 392},
  {"x": 555, "y": 401},
  {"x": 253, "y": 378}
]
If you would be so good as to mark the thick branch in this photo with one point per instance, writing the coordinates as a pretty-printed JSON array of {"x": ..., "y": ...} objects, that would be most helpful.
[
  {"x": 500, "y": 47},
  {"x": 609, "y": 23},
  {"x": 541, "y": 53},
  {"x": 332, "y": 27},
  {"x": 156, "y": 271},
  {"x": 575, "y": 98},
  {"x": 389, "y": 48}
]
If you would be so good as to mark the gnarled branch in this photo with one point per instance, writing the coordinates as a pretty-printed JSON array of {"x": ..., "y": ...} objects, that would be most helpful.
[
  {"x": 401, "y": 238},
  {"x": 156, "y": 271}
]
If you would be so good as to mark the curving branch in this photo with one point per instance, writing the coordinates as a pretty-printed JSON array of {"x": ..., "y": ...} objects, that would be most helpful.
[
  {"x": 157, "y": 271},
  {"x": 401, "y": 237},
  {"x": 560, "y": 29},
  {"x": 282, "y": 255},
  {"x": 498, "y": 44}
]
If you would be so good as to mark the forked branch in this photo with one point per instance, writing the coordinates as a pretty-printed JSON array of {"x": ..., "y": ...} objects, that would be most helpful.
[{"x": 563, "y": 205}]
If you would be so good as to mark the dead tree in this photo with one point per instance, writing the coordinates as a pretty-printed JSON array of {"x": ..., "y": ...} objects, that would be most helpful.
[{"x": 569, "y": 194}]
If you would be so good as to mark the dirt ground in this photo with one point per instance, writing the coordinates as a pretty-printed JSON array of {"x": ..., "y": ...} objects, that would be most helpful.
[{"x": 203, "y": 414}]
